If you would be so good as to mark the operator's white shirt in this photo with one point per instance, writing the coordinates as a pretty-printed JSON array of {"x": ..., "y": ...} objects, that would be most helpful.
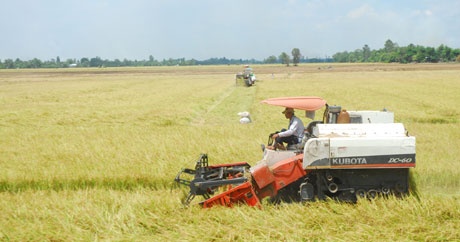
[{"x": 295, "y": 128}]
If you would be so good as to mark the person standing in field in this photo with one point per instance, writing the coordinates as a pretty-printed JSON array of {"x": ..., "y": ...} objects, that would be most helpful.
[{"x": 293, "y": 135}]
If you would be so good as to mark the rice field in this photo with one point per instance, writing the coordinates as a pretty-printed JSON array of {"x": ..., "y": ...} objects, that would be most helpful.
[{"x": 91, "y": 154}]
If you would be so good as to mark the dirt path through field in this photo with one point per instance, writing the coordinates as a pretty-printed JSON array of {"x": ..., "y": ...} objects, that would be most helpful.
[
  {"x": 201, "y": 119},
  {"x": 227, "y": 104}
]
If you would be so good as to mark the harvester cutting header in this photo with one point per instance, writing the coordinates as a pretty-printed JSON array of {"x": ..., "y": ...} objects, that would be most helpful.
[{"x": 347, "y": 154}]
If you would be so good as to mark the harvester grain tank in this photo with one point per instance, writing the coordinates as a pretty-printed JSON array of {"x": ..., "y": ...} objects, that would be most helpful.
[{"x": 346, "y": 155}]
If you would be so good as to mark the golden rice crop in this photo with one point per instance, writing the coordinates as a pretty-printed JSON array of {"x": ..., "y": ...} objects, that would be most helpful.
[{"x": 90, "y": 154}]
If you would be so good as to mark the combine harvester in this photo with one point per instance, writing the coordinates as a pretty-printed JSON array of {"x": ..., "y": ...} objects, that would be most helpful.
[
  {"x": 247, "y": 75},
  {"x": 349, "y": 154}
]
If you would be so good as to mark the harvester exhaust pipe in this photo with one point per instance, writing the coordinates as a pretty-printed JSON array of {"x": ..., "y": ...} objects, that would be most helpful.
[{"x": 332, "y": 187}]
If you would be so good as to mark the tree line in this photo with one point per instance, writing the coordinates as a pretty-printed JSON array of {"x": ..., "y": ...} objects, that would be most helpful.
[
  {"x": 391, "y": 52},
  {"x": 99, "y": 62},
  {"x": 151, "y": 61},
  {"x": 297, "y": 57}
]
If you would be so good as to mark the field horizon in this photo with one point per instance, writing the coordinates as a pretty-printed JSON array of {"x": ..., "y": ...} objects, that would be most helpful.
[{"x": 91, "y": 153}]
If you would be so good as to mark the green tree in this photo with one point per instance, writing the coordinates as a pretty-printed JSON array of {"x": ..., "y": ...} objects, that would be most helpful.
[
  {"x": 284, "y": 58},
  {"x": 431, "y": 54},
  {"x": 455, "y": 54},
  {"x": 366, "y": 53},
  {"x": 95, "y": 62},
  {"x": 389, "y": 57},
  {"x": 341, "y": 56},
  {"x": 389, "y": 46},
  {"x": 270, "y": 60},
  {"x": 84, "y": 62},
  {"x": 18, "y": 63},
  {"x": 352, "y": 57},
  {"x": 68, "y": 62},
  {"x": 8, "y": 63},
  {"x": 357, "y": 56},
  {"x": 36, "y": 63},
  {"x": 445, "y": 53},
  {"x": 191, "y": 62},
  {"x": 405, "y": 54},
  {"x": 421, "y": 55},
  {"x": 296, "y": 56},
  {"x": 376, "y": 55}
]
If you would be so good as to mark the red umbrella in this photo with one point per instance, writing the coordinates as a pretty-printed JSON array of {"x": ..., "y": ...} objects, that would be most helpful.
[{"x": 302, "y": 103}]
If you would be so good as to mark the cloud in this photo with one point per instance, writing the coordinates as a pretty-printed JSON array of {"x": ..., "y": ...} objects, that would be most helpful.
[
  {"x": 205, "y": 28},
  {"x": 420, "y": 13},
  {"x": 364, "y": 10}
]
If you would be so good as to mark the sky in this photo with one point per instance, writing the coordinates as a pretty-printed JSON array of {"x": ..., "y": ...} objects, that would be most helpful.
[{"x": 202, "y": 29}]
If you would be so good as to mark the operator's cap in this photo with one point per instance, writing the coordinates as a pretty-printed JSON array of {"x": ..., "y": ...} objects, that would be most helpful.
[{"x": 288, "y": 110}]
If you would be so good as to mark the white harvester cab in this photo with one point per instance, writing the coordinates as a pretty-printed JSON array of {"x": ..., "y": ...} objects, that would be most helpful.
[{"x": 345, "y": 139}]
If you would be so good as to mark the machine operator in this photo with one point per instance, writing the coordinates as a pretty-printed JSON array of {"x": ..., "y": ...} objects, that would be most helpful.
[{"x": 291, "y": 136}]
